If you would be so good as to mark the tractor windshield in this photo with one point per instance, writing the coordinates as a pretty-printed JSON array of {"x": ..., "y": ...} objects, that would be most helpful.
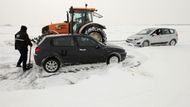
[{"x": 81, "y": 18}]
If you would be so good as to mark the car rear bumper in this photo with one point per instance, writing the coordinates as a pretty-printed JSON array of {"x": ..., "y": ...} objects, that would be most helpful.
[{"x": 38, "y": 60}]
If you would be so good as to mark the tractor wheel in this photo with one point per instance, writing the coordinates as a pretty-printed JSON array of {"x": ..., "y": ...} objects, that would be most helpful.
[{"x": 96, "y": 33}]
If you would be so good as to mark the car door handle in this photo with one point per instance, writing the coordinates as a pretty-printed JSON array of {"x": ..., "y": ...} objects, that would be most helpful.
[
  {"x": 63, "y": 52},
  {"x": 82, "y": 50}
]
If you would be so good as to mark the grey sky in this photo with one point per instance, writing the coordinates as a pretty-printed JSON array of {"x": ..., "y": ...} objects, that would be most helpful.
[{"x": 114, "y": 11}]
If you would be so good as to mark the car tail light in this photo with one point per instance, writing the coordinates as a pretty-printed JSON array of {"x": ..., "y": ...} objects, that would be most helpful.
[{"x": 37, "y": 50}]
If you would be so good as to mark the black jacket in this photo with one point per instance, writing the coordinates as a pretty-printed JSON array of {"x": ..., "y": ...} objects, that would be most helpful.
[{"x": 22, "y": 40}]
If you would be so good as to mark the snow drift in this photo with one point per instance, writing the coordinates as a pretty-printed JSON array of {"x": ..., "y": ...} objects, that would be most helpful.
[{"x": 152, "y": 76}]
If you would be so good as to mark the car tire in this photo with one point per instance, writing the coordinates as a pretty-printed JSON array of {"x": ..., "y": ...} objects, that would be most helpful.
[
  {"x": 51, "y": 65},
  {"x": 172, "y": 42},
  {"x": 145, "y": 44},
  {"x": 113, "y": 59}
]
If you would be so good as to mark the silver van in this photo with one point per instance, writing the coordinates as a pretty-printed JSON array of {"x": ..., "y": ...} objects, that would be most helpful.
[{"x": 154, "y": 36}]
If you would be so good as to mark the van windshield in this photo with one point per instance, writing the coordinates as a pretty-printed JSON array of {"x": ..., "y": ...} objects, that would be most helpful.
[{"x": 145, "y": 32}]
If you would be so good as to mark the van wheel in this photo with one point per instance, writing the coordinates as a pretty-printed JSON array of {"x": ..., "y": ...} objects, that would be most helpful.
[
  {"x": 172, "y": 42},
  {"x": 145, "y": 44},
  {"x": 113, "y": 59},
  {"x": 51, "y": 65}
]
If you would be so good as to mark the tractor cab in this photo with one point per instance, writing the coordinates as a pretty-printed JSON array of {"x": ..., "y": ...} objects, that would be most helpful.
[{"x": 80, "y": 17}]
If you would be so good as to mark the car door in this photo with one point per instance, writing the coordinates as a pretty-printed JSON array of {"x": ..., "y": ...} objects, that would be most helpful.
[
  {"x": 165, "y": 35},
  {"x": 156, "y": 37},
  {"x": 90, "y": 51},
  {"x": 66, "y": 48}
]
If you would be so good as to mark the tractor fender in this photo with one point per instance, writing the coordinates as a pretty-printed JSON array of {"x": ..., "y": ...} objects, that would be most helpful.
[{"x": 82, "y": 29}]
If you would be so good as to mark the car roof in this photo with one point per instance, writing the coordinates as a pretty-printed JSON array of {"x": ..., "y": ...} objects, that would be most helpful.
[
  {"x": 60, "y": 35},
  {"x": 154, "y": 28}
]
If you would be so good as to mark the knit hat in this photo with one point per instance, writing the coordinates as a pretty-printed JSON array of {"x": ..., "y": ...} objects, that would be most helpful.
[{"x": 23, "y": 28}]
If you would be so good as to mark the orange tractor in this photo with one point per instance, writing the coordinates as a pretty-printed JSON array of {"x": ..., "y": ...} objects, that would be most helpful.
[{"x": 79, "y": 21}]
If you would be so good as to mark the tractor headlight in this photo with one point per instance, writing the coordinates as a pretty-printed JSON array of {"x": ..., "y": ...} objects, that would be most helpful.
[{"x": 138, "y": 38}]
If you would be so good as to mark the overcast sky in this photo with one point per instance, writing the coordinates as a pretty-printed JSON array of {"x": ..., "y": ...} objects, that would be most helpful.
[{"x": 114, "y": 11}]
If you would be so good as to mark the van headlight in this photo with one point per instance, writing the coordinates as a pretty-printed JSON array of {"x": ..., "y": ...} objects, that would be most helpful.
[{"x": 138, "y": 38}]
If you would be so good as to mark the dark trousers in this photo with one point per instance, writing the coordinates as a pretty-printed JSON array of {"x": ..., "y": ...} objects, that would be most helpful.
[{"x": 23, "y": 58}]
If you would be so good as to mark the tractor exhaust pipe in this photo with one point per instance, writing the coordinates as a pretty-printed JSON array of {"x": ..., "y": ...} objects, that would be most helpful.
[{"x": 71, "y": 23}]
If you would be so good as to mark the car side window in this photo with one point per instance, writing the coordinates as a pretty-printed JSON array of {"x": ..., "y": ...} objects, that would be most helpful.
[
  {"x": 165, "y": 31},
  {"x": 84, "y": 41},
  {"x": 63, "y": 41}
]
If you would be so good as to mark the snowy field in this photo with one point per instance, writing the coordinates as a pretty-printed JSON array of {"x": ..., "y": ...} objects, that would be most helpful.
[{"x": 155, "y": 76}]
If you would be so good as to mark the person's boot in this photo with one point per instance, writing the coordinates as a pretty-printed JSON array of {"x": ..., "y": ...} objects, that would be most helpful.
[
  {"x": 18, "y": 66},
  {"x": 25, "y": 69}
]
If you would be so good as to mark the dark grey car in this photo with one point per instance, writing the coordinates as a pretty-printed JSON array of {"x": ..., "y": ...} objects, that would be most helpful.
[{"x": 57, "y": 50}]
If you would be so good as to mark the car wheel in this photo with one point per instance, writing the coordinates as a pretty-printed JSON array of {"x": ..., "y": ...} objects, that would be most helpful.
[
  {"x": 172, "y": 42},
  {"x": 51, "y": 65},
  {"x": 145, "y": 44},
  {"x": 113, "y": 59}
]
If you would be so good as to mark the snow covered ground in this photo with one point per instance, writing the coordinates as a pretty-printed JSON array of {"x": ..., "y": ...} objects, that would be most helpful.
[{"x": 156, "y": 76}]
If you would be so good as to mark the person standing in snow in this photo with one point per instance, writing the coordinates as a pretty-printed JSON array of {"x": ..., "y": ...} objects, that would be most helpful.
[{"x": 21, "y": 44}]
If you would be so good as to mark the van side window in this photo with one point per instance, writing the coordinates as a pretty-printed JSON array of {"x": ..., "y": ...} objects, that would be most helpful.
[
  {"x": 156, "y": 32},
  {"x": 172, "y": 31},
  {"x": 63, "y": 41},
  {"x": 165, "y": 31}
]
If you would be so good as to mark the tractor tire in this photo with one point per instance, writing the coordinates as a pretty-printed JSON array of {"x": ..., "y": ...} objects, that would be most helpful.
[{"x": 96, "y": 33}]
